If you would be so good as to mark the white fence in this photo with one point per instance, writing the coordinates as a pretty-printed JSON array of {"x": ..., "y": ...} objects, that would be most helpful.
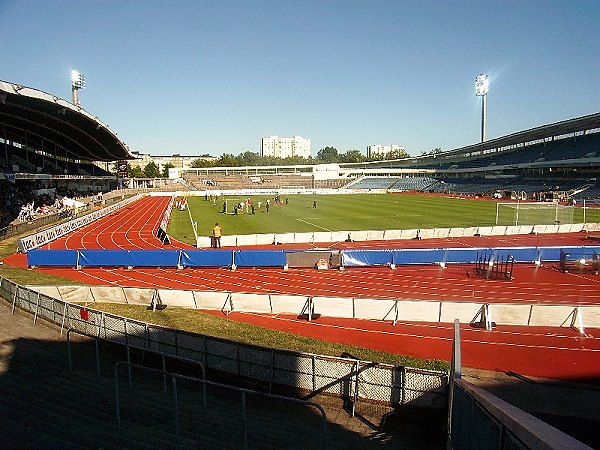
[
  {"x": 388, "y": 235},
  {"x": 392, "y": 310}
]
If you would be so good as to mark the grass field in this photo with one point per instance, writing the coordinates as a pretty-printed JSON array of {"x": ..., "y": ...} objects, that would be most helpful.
[{"x": 340, "y": 213}]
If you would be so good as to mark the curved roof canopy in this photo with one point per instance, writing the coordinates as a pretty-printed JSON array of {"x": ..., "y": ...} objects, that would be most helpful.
[
  {"x": 579, "y": 124},
  {"x": 39, "y": 120}
]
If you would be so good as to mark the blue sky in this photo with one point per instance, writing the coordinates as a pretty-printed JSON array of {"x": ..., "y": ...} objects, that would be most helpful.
[{"x": 195, "y": 77}]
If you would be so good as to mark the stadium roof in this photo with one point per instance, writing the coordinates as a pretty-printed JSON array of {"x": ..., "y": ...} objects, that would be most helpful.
[
  {"x": 44, "y": 121},
  {"x": 549, "y": 131}
]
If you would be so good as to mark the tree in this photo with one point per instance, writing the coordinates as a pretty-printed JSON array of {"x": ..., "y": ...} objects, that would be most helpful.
[
  {"x": 201, "y": 163},
  {"x": 165, "y": 172},
  {"x": 151, "y": 170},
  {"x": 352, "y": 156},
  {"x": 226, "y": 160},
  {"x": 249, "y": 159},
  {"x": 396, "y": 154},
  {"x": 328, "y": 155},
  {"x": 433, "y": 151},
  {"x": 135, "y": 172}
]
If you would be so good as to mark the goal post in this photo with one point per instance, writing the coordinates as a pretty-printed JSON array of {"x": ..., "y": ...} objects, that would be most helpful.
[
  {"x": 539, "y": 213},
  {"x": 232, "y": 203}
]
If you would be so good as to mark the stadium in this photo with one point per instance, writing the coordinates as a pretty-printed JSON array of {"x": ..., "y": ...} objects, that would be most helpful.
[{"x": 505, "y": 296}]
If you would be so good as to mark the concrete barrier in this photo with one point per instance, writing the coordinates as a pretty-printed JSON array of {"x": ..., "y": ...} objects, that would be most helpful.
[
  {"x": 498, "y": 230},
  {"x": 587, "y": 316},
  {"x": 557, "y": 314},
  {"x": 288, "y": 304},
  {"x": 418, "y": 311},
  {"x": 384, "y": 235},
  {"x": 366, "y": 308},
  {"x": 203, "y": 242},
  {"x": 410, "y": 234},
  {"x": 334, "y": 306},
  {"x": 265, "y": 239},
  {"x": 251, "y": 302},
  {"x": 229, "y": 241},
  {"x": 484, "y": 231},
  {"x": 359, "y": 235},
  {"x": 246, "y": 240},
  {"x": 441, "y": 233},
  {"x": 392, "y": 235},
  {"x": 591, "y": 316},
  {"x": 322, "y": 236},
  {"x": 509, "y": 314},
  {"x": 182, "y": 299},
  {"x": 426, "y": 233},
  {"x": 210, "y": 300},
  {"x": 303, "y": 237},
  {"x": 511, "y": 230},
  {"x": 456, "y": 232},
  {"x": 465, "y": 312},
  {"x": 339, "y": 236},
  {"x": 285, "y": 238},
  {"x": 375, "y": 235}
]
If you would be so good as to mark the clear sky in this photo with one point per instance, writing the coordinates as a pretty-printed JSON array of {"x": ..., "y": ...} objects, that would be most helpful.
[{"x": 195, "y": 77}]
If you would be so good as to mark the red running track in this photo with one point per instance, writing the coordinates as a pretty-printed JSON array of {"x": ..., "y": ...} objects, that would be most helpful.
[{"x": 523, "y": 350}]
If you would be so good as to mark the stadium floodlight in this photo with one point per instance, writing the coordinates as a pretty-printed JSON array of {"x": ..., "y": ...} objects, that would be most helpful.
[
  {"x": 482, "y": 86},
  {"x": 77, "y": 82}
]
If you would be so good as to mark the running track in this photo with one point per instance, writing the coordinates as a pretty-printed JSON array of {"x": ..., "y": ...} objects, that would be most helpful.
[{"x": 558, "y": 353}]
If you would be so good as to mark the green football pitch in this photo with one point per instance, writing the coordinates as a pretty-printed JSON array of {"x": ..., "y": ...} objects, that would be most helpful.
[{"x": 335, "y": 213}]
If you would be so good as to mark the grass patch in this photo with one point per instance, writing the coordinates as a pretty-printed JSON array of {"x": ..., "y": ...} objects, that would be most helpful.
[
  {"x": 27, "y": 276},
  {"x": 222, "y": 327},
  {"x": 341, "y": 213}
]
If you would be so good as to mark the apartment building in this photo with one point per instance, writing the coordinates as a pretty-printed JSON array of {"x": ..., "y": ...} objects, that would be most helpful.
[
  {"x": 380, "y": 150},
  {"x": 283, "y": 147}
]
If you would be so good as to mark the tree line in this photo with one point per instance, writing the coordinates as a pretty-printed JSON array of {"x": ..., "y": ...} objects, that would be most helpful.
[{"x": 248, "y": 158}]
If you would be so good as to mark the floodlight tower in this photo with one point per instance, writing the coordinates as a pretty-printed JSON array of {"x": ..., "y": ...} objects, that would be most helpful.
[
  {"x": 77, "y": 82},
  {"x": 482, "y": 86}
]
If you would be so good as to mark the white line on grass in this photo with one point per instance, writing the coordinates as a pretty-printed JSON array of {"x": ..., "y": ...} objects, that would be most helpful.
[{"x": 312, "y": 224}]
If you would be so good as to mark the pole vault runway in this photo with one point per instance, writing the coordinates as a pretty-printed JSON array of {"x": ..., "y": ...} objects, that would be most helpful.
[{"x": 558, "y": 353}]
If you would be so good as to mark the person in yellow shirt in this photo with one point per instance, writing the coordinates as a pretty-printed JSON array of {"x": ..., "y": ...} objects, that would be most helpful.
[{"x": 216, "y": 236}]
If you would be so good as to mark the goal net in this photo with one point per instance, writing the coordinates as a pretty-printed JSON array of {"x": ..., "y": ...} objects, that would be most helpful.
[
  {"x": 533, "y": 214},
  {"x": 232, "y": 203}
]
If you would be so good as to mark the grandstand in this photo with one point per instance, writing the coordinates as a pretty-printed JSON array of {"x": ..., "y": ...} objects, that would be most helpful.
[
  {"x": 560, "y": 160},
  {"x": 50, "y": 147}
]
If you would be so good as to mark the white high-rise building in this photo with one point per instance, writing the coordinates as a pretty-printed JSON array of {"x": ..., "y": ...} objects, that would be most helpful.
[
  {"x": 282, "y": 147},
  {"x": 373, "y": 150}
]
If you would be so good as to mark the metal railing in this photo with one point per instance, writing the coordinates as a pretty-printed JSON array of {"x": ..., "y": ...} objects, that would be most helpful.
[
  {"x": 242, "y": 391},
  {"x": 478, "y": 419},
  {"x": 358, "y": 381}
]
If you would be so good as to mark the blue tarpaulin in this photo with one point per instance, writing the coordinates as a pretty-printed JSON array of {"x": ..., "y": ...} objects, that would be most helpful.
[
  {"x": 104, "y": 258},
  {"x": 59, "y": 258},
  {"x": 206, "y": 258},
  {"x": 277, "y": 258},
  {"x": 154, "y": 258},
  {"x": 259, "y": 258}
]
